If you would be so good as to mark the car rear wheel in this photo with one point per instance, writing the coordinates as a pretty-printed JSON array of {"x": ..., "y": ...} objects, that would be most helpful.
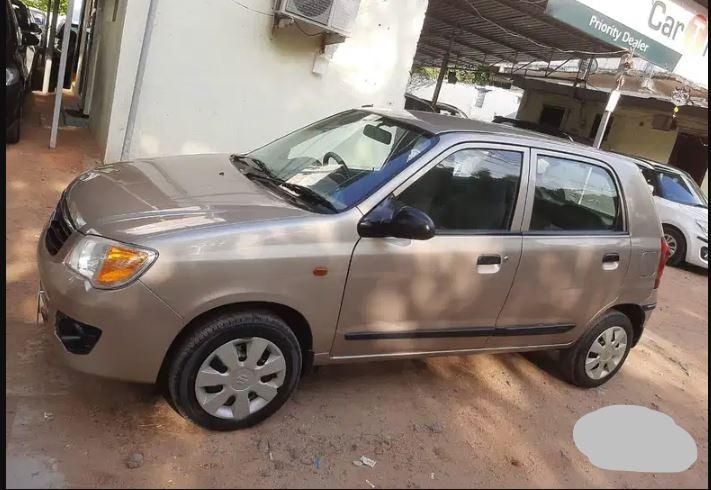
[
  {"x": 597, "y": 356},
  {"x": 235, "y": 370},
  {"x": 677, "y": 246}
]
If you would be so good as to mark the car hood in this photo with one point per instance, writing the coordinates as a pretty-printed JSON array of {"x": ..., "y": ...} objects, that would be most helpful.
[
  {"x": 698, "y": 213},
  {"x": 691, "y": 211},
  {"x": 129, "y": 200}
]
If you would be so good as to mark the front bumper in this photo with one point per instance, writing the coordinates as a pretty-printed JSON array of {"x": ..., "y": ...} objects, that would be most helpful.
[
  {"x": 698, "y": 252},
  {"x": 136, "y": 326}
]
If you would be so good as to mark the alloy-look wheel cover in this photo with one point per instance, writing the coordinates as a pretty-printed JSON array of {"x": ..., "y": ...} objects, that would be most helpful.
[
  {"x": 671, "y": 242},
  {"x": 240, "y": 378},
  {"x": 606, "y": 353}
]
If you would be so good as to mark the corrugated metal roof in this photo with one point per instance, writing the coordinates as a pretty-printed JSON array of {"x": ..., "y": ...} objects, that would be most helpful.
[{"x": 491, "y": 31}]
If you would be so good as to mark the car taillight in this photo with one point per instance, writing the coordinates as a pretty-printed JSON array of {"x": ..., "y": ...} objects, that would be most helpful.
[{"x": 663, "y": 257}]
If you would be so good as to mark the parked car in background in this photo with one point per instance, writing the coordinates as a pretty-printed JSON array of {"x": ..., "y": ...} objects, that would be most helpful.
[
  {"x": 369, "y": 235},
  {"x": 414, "y": 103},
  {"x": 39, "y": 17},
  {"x": 683, "y": 210},
  {"x": 28, "y": 27},
  {"x": 17, "y": 71},
  {"x": 533, "y": 126},
  {"x": 450, "y": 110},
  {"x": 71, "y": 59}
]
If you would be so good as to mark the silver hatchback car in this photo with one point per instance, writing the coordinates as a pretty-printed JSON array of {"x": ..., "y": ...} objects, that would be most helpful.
[{"x": 367, "y": 235}]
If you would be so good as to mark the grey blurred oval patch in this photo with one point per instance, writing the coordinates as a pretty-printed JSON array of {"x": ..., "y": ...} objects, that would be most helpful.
[{"x": 634, "y": 438}]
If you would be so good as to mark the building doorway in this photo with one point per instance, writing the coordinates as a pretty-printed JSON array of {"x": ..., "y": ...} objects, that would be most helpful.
[
  {"x": 690, "y": 153},
  {"x": 552, "y": 116}
]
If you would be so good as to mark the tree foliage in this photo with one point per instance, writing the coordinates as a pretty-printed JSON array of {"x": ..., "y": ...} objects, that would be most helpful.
[
  {"x": 426, "y": 75},
  {"x": 42, "y": 5}
]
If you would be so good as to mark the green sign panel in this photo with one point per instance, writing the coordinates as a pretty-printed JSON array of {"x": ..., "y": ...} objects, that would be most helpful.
[{"x": 613, "y": 32}]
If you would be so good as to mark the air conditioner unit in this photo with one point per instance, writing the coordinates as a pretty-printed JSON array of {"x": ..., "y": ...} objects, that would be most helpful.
[{"x": 330, "y": 15}]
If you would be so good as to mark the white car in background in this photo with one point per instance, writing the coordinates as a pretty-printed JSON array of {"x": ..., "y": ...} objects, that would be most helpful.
[{"x": 683, "y": 210}]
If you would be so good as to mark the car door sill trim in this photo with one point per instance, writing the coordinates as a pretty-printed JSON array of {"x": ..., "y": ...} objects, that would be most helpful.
[
  {"x": 462, "y": 332},
  {"x": 454, "y": 352}
]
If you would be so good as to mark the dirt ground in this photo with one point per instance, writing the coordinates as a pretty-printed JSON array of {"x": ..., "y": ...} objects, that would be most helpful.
[{"x": 478, "y": 421}]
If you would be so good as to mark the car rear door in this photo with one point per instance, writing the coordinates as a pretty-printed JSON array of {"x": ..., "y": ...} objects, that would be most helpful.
[
  {"x": 576, "y": 251},
  {"x": 442, "y": 294}
]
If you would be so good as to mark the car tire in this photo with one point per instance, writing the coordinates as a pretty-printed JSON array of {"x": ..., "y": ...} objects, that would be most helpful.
[
  {"x": 12, "y": 134},
  {"x": 674, "y": 236},
  {"x": 573, "y": 361},
  {"x": 209, "y": 349}
]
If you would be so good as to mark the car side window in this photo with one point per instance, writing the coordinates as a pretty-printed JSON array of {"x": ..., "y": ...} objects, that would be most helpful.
[
  {"x": 574, "y": 196},
  {"x": 470, "y": 190},
  {"x": 652, "y": 179}
]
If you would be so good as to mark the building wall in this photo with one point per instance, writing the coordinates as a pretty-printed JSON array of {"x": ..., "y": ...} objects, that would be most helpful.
[
  {"x": 497, "y": 102},
  {"x": 117, "y": 52},
  {"x": 705, "y": 184},
  {"x": 218, "y": 78},
  {"x": 631, "y": 131},
  {"x": 106, "y": 54}
]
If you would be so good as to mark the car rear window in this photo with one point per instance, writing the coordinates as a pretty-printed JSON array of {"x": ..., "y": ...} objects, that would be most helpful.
[{"x": 574, "y": 196}]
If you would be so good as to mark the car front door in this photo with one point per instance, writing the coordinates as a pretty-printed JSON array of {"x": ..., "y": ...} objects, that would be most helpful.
[
  {"x": 407, "y": 296},
  {"x": 576, "y": 251}
]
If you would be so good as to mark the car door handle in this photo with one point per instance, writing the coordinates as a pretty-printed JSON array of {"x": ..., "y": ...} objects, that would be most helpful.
[
  {"x": 488, "y": 260},
  {"x": 610, "y": 261},
  {"x": 611, "y": 257},
  {"x": 489, "y": 264}
]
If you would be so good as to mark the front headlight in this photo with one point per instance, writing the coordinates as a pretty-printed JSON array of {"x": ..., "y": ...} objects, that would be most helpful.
[
  {"x": 108, "y": 264},
  {"x": 703, "y": 225},
  {"x": 11, "y": 76}
]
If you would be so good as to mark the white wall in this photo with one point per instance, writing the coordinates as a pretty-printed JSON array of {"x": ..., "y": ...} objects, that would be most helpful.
[
  {"x": 497, "y": 102},
  {"x": 217, "y": 79}
]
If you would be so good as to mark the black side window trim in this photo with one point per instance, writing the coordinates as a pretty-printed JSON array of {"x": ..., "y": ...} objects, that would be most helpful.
[
  {"x": 576, "y": 233},
  {"x": 552, "y": 233}
]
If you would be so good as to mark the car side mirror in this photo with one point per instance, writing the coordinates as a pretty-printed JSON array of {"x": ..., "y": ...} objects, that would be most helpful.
[
  {"x": 392, "y": 220},
  {"x": 651, "y": 188},
  {"x": 29, "y": 39},
  {"x": 35, "y": 28}
]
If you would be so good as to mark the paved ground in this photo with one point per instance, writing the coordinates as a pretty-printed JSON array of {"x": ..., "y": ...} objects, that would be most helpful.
[{"x": 450, "y": 422}]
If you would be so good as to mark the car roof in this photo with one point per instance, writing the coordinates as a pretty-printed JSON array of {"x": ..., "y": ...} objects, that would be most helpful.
[
  {"x": 653, "y": 165},
  {"x": 435, "y": 123}
]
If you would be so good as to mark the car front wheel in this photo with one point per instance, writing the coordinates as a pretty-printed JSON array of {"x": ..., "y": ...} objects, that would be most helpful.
[
  {"x": 677, "y": 246},
  {"x": 597, "y": 356},
  {"x": 235, "y": 370}
]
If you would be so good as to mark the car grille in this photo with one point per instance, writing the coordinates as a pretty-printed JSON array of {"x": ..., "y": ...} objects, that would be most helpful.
[{"x": 60, "y": 228}]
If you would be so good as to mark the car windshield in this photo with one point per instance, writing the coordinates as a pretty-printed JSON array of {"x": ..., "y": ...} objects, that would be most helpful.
[
  {"x": 679, "y": 188},
  {"x": 339, "y": 161}
]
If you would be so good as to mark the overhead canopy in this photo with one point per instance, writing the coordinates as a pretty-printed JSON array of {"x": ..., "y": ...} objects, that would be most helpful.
[{"x": 494, "y": 31}]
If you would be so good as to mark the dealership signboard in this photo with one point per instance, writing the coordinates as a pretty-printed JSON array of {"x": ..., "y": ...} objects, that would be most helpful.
[{"x": 670, "y": 34}]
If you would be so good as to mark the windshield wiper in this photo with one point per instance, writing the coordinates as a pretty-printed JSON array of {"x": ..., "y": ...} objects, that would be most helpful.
[
  {"x": 252, "y": 162},
  {"x": 310, "y": 194},
  {"x": 303, "y": 192}
]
